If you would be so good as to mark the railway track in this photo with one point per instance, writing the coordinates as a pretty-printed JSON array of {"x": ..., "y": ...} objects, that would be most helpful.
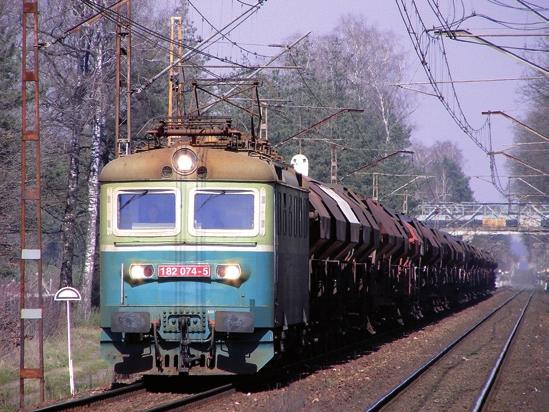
[
  {"x": 186, "y": 401},
  {"x": 399, "y": 392},
  {"x": 108, "y": 399},
  {"x": 111, "y": 398},
  {"x": 111, "y": 395},
  {"x": 488, "y": 385}
]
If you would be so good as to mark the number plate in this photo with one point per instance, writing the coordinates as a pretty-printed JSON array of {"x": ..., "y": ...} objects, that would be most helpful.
[{"x": 184, "y": 271}]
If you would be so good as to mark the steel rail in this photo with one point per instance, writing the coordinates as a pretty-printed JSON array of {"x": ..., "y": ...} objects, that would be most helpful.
[
  {"x": 396, "y": 390},
  {"x": 485, "y": 392},
  {"x": 188, "y": 400},
  {"x": 88, "y": 400}
]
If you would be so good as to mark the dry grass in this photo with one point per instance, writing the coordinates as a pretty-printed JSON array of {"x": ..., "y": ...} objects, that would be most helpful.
[{"x": 90, "y": 370}]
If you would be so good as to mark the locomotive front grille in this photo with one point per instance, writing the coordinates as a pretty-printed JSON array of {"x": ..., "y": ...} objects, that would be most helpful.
[{"x": 197, "y": 324}]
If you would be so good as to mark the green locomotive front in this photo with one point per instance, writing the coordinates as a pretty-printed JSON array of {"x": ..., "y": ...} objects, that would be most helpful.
[{"x": 204, "y": 249}]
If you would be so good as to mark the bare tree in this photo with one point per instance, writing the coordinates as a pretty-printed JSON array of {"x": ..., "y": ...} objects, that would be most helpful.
[
  {"x": 9, "y": 138},
  {"x": 376, "y": 66},
  {"x": 354, "y": 66},
  {"x": 444, "y": 162},
  {"x": 69, "y": 74}
]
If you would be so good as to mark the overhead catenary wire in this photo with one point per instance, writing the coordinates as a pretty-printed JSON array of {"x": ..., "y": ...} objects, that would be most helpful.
[
  {"x": 544, "y": 34},
  {"x": 113, "y": 16},
  {"x": 502, "y": 79},
  {"x": 226, "y": 37},
  {"x": 144, "y": 31},
  {"x": 152, "y": 42},
  {"x": 249, "y": 76},
  {"x": 525, "y": 26},
  {"x": 305, "y": 83},
  {"x": 422, "y": 50},
  {"x": 502, "y": 4},
  {"x": 532, "y": 9},
  {"x": 462, "y": 35},
  {"x": 433, "y": 56}
]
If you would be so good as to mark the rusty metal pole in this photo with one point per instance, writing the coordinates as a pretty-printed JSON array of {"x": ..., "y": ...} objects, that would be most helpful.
[
  {"x": 179, "y": 95},
  {"x": 122, "y": 47},
  {"x": 375, "y": 186},
  {"x": 30, "y": 204},
  {"x": 175, "y": 77},
  {"x": 333, "y": 164},
  {"x": 405, "y": 203},
  {"x": 264, "y": 125},
  {"x": 128, "y": 80},
  {"x": 172, "y": 70},
  {"x": 117, "y": 47}
]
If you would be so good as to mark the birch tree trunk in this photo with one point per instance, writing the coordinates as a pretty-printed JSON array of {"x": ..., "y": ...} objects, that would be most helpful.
[
  {"x": 93, "y": 182},
  {"x": 75, "y": 96},
  {"x": 92, "y": 226},
  {"x": 68, "y": 226}
]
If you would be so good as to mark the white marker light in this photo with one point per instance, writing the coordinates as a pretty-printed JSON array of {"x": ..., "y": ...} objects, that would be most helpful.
[
  {"x": 228, "y": 272},
  {"x": 185, "y": 161},
  {"x": 140, "y": 272}
]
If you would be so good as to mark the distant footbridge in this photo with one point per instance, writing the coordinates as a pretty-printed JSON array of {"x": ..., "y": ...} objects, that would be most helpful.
[{"x": 473, "y": 218}]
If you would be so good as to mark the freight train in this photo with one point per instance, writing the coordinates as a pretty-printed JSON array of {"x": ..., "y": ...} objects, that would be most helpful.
[{"x": 217, "y": 257}]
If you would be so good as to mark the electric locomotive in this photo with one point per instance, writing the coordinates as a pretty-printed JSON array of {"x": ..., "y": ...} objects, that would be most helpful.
[
  {"x": 216, "y": 257},
  {"x": 199, "y": 237}
]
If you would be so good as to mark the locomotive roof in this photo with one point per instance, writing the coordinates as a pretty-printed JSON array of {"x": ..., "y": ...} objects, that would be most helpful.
[{"x": 220, "y": 164}]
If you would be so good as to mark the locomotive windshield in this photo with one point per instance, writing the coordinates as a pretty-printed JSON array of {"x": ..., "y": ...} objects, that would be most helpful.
[
  {"x": 146, "y": 210},
  {"x": 224, "y": 210}
]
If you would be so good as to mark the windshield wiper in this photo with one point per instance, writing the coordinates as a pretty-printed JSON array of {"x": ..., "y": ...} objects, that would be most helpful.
[
  {"x": 134, "y": 197},
  {"x": 212, "y": 196}
]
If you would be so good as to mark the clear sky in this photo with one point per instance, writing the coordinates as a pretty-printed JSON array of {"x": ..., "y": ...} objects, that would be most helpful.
[{"x": 279, "y": 20}]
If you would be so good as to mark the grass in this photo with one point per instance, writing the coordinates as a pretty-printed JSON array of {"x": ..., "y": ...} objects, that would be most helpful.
[
  {"x": 7, "y": 375},
  {"x": 90, "y": 369}
]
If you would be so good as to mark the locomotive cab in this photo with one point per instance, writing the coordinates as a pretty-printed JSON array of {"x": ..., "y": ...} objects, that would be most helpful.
[{"x": 188, "y": 263}]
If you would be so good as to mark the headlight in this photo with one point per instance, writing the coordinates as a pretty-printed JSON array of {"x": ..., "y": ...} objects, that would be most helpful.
[
  {"x": 140, "y": 272},
  {"x": 184, "y": 161},
  {"x": 229, "y": 272}
]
